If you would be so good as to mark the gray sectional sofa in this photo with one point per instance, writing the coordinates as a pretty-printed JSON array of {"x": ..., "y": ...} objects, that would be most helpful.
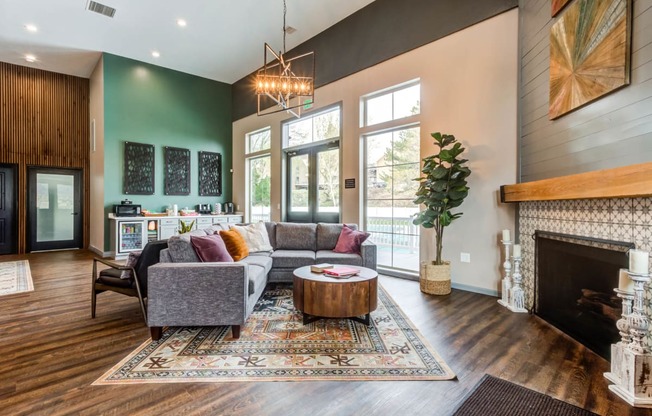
[{"x": 183, "y": 291}]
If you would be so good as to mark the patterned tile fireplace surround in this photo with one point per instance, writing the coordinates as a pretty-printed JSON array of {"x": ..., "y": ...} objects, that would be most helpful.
[{"x": 620, "y": 219}]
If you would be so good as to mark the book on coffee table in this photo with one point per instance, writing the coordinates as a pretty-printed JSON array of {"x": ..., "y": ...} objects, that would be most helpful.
[
  {"x": 319, "y": 268},
  {"x": 341, "y": 272}
]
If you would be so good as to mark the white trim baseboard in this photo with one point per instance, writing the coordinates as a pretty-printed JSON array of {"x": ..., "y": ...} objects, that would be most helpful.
[
  {"x": 100, "y": 252},
  {"x": 475, "y": 289}
]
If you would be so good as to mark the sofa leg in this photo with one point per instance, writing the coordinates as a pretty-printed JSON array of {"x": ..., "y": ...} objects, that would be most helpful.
[
  {"x": 235, "y": 331},
  {"x": 156, "y": 332}
]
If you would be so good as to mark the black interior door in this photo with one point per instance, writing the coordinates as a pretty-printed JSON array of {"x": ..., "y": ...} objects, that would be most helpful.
[
  {"x": 7, "y": 209},
  {"x": 313, "y": 184},
  {"x": 55, "y": 208}
]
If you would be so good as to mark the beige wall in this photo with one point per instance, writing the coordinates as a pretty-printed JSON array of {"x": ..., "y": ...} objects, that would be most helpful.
[
  {"x": 469, "y": 89},
  {"x": 96, "y": 109}
]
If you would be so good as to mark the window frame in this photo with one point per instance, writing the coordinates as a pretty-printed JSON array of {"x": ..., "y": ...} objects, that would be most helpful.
[
  {"x": 285, "y": 128},
  {"x": 249, "y": 157}
]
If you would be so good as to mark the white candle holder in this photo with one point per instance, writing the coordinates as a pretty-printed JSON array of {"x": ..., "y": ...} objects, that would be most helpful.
[
  {"x": 506, "y": 282},
  {"x": 616, "y": 374},
  {"x": 631, "y": 359},
  {"x": 638, "y": 321},
  {"x": 517, "y": 294}
]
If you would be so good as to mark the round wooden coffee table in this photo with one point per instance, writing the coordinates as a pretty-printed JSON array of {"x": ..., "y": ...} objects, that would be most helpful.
[{"x": 319, "y": 296}]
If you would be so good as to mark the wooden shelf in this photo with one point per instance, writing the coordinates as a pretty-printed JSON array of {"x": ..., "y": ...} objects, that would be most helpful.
[{"x": 625, "y": 182}]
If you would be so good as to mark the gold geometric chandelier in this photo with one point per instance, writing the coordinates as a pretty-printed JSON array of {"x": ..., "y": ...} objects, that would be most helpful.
[{"x": 277, "y": 82}]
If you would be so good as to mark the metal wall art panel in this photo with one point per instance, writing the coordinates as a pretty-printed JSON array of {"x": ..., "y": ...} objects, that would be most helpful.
[
  {"x": 589, "y": 53},
  {"x": 177, "y": 171},
  {"x": 138, "y": 176},
  {"x": 210, "y": 174}
]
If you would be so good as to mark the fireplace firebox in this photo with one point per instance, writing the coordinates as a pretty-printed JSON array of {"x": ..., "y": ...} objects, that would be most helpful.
[{"x": 574, "y": 281}]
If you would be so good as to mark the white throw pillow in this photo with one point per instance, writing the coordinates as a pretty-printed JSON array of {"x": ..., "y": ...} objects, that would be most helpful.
[{"x": 255, "y": 235}]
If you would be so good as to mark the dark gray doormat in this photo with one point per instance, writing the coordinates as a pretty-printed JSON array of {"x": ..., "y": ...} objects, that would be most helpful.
[{"x": 494, "y": 396}]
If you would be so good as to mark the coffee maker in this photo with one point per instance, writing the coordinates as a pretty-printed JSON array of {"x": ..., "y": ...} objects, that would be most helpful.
[
  {"x": 228, "y": 208},
  {"x": 204, "y": 208}
]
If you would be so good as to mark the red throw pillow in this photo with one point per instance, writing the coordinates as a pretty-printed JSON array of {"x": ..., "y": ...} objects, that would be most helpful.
[
  {"x": 210, "y": 248},
  {"x": 350, "y": 240}
]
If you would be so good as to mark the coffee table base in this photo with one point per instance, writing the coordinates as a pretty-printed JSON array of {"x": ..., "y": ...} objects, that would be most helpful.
[{"x": 308, "y": 319}]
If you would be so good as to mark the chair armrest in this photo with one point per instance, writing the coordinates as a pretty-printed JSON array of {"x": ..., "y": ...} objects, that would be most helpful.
[
  {"x": 197, "y": 294},
  {"x": 111, "y": 264},
  {"x": 368, "y": 253}
]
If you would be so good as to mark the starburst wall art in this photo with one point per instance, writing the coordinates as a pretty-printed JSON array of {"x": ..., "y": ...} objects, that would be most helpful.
[{"x": 589, "y": 53}]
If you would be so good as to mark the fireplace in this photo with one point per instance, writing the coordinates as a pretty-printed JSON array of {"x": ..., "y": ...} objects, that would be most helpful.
[{"x": 574, "y": 281}]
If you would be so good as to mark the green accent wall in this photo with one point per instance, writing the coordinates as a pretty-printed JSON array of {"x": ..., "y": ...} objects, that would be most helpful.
[{"x": 145, "y": 103}]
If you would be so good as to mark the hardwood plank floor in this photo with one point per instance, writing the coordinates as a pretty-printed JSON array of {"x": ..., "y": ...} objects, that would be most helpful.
[{"x": 51, "y": 351}]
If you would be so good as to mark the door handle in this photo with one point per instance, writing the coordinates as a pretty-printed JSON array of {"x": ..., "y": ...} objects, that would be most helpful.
[{"x": 74, "y": 213}]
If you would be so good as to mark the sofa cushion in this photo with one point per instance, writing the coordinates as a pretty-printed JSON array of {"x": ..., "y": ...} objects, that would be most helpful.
[
  {"x": 271, "y": 233},
  {"x": 257, "y": 278},
  {"x": 111, "y": 277},
  {"x": 294, "y": 236},
  {"x": 235, "y": 244},
  {"x": 210, "y": 248},
  {"x": 350, "y": 240},
  {"x": 329, "y": 256},
  {"x": 292, "y": 258},
  {"x": 255, "y": 235},
  {"x": 181, "y": 250},
  {"x": 327, "y": 234},
  {"x": 263, "y": 261}
]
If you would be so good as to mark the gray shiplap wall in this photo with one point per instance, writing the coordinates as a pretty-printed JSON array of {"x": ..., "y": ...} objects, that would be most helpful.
[{"x": 613, "y": 131}]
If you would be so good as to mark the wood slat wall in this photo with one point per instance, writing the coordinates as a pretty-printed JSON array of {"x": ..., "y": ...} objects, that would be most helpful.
[
  {"x": 614, "y": 131},
  {"x": 44, "y": 121}
]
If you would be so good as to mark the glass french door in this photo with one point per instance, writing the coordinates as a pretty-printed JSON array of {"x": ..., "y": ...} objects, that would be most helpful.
[
  {"x": 55, "y": 209},
  {"x": 313, "y": 184}
]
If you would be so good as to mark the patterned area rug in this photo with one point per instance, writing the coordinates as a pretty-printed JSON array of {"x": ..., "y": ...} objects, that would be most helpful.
[
  {"x": 15, "y": 277},
  {"x": 275, "y": 346}
]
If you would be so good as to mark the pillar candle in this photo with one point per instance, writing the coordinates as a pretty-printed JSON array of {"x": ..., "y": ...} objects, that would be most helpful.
[
  {"x": 517, "y": 251},
  {"x": 506, "y": 236},
  {"x": 624, "y": 282},
  {"x": 639, "y": 261}
]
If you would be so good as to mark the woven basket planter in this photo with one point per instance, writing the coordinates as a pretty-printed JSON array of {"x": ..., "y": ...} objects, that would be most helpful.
[{"x": 435, "y": 279}]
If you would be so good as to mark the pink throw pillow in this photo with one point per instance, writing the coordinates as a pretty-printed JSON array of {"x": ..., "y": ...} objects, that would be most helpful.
[
  {"x": 210, "y": 248},
  {"x": 350, "y": 240}
]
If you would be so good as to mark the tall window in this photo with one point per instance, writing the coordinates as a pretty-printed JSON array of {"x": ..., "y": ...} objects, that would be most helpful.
[
  {"x": 392, "y": 161},
  {"x": 259, "y": 175}
]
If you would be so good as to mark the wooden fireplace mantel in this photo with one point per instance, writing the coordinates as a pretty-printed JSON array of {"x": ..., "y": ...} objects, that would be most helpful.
[{"x": 625, "y": 182}]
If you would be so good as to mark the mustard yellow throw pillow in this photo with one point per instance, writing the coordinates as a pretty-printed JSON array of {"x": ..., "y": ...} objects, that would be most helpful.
[{"x": 235, "y": 244}]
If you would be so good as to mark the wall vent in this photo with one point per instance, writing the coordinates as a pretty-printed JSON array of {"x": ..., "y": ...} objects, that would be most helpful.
[{"x": 100, "y": 8}]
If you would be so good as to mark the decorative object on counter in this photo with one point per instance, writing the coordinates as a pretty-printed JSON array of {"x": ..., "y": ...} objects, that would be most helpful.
[
  {"x": 210, "y": 174},
  {"x": 507, "y": 266},
  {"x": 138, "y": 171},
  {"x": 218, "y": 208},
  {"x": 442, "y": 188},
  {"x": 185, "y": 227},
  {"x": 589, "y": 53},
  {"x": 188, "y": 212},
  {"x": 631, "y": 358},
  {"x": 177, "y": 171}
]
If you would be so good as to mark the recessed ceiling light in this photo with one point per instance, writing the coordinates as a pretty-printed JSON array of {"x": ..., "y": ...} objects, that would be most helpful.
[
  {"x": 30, "y": 58},
  {"x": 31, "y": 28},
  {"x": 156, "y": 54},
  {"x": 181, "y": 23}
]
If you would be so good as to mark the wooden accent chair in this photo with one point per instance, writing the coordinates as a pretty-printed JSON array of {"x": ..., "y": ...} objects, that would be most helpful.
[{"x": 136, "y": 286}]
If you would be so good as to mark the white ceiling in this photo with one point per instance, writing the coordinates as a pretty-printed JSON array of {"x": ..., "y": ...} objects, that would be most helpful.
[{"x": 222, "y": 41}]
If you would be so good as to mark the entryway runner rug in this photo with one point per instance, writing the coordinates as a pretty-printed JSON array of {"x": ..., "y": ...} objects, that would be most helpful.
[
  {"x": 494, "y": 396},
  {"x": 15, "y": 277},
  {"x": 275, "y": 346}
]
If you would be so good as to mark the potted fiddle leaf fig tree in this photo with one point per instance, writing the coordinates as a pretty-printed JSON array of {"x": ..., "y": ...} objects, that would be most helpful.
[{"x": 442, "y": 188}]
